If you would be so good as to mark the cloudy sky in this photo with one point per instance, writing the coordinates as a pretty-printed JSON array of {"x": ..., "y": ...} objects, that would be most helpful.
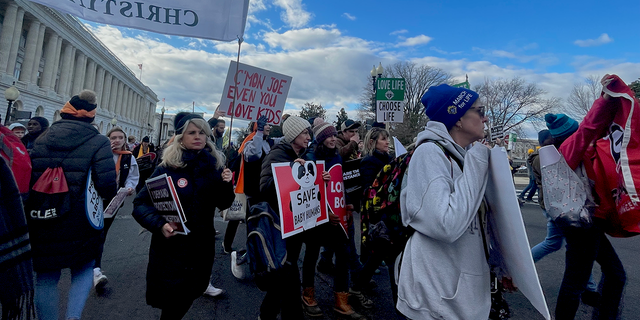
[{"x": 329, "y": 47}]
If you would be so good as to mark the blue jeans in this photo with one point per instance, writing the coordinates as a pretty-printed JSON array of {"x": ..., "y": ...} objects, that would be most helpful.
[
  {"x": 532, "y": 187},
  {"x": 553, "y": 243},
  {"x": 46, "y": 293}
]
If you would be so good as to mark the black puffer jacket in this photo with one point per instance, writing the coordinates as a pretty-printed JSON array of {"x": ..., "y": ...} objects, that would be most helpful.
[
  {"x": 180, "y": 266},
  {"x": 281, "y": 152},
  {"x": 71, "y": 240}
]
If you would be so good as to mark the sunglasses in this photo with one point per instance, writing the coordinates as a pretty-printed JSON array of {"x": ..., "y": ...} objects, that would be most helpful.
[{"x": 480, "y": 111}]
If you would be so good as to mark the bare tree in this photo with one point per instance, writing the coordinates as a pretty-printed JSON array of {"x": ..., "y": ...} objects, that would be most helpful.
[
  {"x": 418, "y": 78},
  {"x": 513, "y": 102},
  {"x": 583, "y": 95}
]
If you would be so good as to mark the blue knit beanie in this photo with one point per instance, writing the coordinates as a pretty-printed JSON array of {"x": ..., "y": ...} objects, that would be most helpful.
[
  {"x": 447, "y": 104},
  {"x": 543, "y": 135},
  {"x": 560, "y": 125}
]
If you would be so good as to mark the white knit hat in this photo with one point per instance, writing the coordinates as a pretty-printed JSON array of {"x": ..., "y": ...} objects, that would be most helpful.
[{"x": 293, "y": 127}]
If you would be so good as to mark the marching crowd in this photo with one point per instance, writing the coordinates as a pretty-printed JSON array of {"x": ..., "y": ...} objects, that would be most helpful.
[{"x": 441, "y": 270}]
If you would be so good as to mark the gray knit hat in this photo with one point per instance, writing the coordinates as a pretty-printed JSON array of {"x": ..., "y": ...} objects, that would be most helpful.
[
  {"x": 293, "y": 127},
  {"x": 323, "y": 130}
]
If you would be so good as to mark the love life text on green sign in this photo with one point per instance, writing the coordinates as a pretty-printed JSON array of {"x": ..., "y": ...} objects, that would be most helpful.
[{"x": 390, "y": 99}]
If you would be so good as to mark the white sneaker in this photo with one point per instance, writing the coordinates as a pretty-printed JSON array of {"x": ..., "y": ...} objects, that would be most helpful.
[
  {"x": 213, "y": 291},
  {"x": 99, "y": 279},
  {"x": 238, "y": 271}
]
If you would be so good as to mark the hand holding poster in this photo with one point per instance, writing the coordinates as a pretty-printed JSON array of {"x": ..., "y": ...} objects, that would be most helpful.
[
  {"x": 301, "y": 196},
  {"x": 165, "y": 200},
  {"x": 258, "y": 92},
  {"x": 115, "y": 203},
  {"x": 335, "y": 196}
]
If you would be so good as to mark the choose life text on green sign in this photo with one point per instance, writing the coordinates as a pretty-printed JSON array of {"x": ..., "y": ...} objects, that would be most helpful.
[{"x": 390, "y": 99}]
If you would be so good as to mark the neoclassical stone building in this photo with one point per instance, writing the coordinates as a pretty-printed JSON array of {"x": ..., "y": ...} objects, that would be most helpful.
[{"x": 51, "y": 56}]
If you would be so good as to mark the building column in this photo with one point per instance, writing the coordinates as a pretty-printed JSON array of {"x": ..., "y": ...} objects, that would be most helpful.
[
  {"x": 99, "y": 84},
  {"x": 56, "y": 64},
  {"x": 106, "y": 91},
  {"x": 69, "y": 72},
  {"x": 49, "y": 62},
  {"x": 114, "y": 94},
  {"x": 138, "y": 104},
  {"x": 8, "y": 29},
  {"x": 90, "y": 76},
  {"x": 64, "y": 69},
  {"x": 30, "y": 51},
  {"x": 78, "y": 75},
  {"x": 38, "y": 58},
  {"x": 130, "y": 104},
  {"x": 119, "y": 106},
  {"x": 15, "y": 42},
  {"x": 125, "y": 101}
]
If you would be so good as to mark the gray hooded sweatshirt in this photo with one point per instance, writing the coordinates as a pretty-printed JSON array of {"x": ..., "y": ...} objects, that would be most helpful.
[{"x": 444, "y": 272}]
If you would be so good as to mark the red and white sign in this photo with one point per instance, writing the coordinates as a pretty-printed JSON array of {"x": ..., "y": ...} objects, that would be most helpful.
[
  {"x": 257, "y": 91},
  {"x": 301, "y": 196},
  {"x": 335, "y": 196}
]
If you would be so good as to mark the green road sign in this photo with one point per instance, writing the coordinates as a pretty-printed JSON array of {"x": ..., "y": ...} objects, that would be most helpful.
[{"x": 390, "y": 99}]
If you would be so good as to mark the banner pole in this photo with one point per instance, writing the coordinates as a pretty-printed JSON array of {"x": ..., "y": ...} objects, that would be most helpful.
[{"x": 235, "y": 91}]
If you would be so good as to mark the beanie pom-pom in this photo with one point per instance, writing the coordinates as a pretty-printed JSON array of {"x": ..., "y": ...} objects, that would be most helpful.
[{"x": 550, "y": 117}]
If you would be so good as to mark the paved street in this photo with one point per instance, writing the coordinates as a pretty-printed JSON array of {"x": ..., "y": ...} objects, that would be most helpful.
[{"x": 125, "y": 261}]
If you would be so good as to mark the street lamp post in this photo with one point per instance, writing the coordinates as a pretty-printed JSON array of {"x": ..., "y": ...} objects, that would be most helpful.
[
  {"x": 160, "y": 131},
  {"x": 11, "y": 94},
  {"x": 375, "y": 71}
]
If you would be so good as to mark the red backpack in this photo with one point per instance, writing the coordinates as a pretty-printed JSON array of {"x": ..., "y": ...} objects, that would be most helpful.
[{"x": 15, "y": 154}]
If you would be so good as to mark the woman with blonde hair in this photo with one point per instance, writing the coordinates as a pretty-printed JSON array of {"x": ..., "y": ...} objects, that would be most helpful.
[
  {"x": 127, "y": 176},
  {"x": 180, "y": 265}
]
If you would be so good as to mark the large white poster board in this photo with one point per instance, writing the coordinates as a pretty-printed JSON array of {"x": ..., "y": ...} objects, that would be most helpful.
[
  {"x": 509, "y": 231},
  {"x": 259, "y": 92}
]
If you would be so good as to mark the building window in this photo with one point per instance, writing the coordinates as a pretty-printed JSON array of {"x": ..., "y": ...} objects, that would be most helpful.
[
  {"x": 39, "y": 111},
  {"x": 16, "y": 71},
  {"x": 23, "y": 39}
]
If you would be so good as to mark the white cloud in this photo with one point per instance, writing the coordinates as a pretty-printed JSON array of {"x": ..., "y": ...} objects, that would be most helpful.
[
  {"x": 415, "y": 41},
  {"x": 602, "y": 39},
  {"x": 397, "y": 32},
  {"x": 301, "y": 39},
  {"x": 327, "y": 67},
  {"x": 348, "y": 16},
  {"x": 294, "y": 14}
]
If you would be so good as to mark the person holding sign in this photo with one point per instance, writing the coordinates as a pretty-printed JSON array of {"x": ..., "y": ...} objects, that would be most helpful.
[
  {"x": 284, "y": 297},
  {"x": 70, "y": 237},
  {"x": 333, "y": 234},
  {"x": 180, "y": 265},
  {"x": 127, "y": 176},
  {"x": 444, "y": 271}
]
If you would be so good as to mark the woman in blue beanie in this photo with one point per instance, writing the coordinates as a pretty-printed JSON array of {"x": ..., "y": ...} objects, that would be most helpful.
[{"x": 445, "y": 272}]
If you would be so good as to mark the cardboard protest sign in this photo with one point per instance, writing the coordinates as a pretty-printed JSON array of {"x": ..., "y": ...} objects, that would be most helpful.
[
  {"x": 165, "y": 200},
  {"x": 509, "y": 233},
  {"x": 351, "y": 178},
  {"x": 258, "y": 92},
  {"x": 301, "y": 194},
  {"x": 336, "y": 197},
  {"x": 115, "y": 203}
]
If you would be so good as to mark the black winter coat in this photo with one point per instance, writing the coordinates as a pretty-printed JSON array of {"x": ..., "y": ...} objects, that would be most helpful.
[
  {"x": 180, "y": 266},
  {"x": 371, "y": 166},
  {"x": 71, "y": 240},
  {"x": 281, "y": 152}
]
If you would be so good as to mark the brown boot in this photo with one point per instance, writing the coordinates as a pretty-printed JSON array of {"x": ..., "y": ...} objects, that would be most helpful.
[
  {"x": 309, "y": 303},
  {"x": 343, "y": 308}
]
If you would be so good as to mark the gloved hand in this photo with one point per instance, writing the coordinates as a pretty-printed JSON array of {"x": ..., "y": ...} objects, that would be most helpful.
[{"x": 262, "y": 121}]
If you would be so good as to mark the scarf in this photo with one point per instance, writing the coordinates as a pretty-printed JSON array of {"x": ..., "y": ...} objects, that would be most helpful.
[
  {"x": 240, "y": 184},
  {"x": 142, "y": 152},
  {"x": 16, "y": 268},
  {"x": 120, "y": 153}
]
